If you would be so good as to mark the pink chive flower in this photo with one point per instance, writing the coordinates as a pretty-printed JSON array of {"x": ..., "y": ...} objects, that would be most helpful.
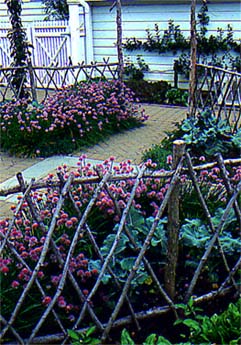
[
  {"x": 46, "y": 300},
  {"x": 169, "y": 159},
  {"x": 15, "y": 284}
]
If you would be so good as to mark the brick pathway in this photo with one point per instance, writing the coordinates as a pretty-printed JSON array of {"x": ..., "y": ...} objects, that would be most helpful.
[
  {"x": 132, "y": 144},
  {"x": 127, "y": 145}
]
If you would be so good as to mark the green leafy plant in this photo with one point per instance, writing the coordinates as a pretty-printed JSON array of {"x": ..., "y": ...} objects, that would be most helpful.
[
  {"x": 152, "y": 339},
  {"x": 171, "y": 40},
  {"x": 85, "y": 338},
  {"x": 124, "y": 260},
  {"x": 195, "y": 234},
  {"x": 208, "y": 134},
  {"x": 205, "y": 135},
  {"x": 221, "y": 328},
  {"x": 195, "y": 237}
]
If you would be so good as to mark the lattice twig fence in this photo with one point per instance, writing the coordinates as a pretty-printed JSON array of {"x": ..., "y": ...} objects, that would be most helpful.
[
  {"x": 220, "y": 90},
  {"x": 54, "y": 78},
  {"x": 103, "y": 296}
]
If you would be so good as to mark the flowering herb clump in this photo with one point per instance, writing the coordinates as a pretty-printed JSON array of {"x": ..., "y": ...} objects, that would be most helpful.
[{"x": 71, "y": 118}]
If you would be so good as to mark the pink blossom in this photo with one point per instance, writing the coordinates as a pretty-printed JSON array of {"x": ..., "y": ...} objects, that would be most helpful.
[
  {"x": 169, "y": 159},
  {"x": 15, "y": 284}
]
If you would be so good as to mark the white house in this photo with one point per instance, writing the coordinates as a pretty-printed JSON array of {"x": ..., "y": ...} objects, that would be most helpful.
[{"x": 90, "y": 34}]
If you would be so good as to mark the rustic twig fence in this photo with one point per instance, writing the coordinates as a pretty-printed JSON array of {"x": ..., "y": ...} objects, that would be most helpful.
[
  {"x": 124, "y": 310},
  {"x": 54, "y": 78},
  {"x": 215, "y": 88},
  {"x": 219, "y": 90}
]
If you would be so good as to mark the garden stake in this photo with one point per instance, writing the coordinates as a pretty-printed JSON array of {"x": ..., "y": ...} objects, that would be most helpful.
[
  {"x": 146, "y": 262},
  {"x": 102, "y": 258},
  {"x": 173, "y": 225},
  {"x": 193, "y": 62}
]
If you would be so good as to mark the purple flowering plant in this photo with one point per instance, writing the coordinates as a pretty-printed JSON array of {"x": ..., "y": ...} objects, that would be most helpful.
[{"x": 69, "y": 119}]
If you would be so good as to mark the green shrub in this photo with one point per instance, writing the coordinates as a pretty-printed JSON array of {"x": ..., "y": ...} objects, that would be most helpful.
[
  {"x": 149, "y": 92},
  {"x": 177, "y": 97}
]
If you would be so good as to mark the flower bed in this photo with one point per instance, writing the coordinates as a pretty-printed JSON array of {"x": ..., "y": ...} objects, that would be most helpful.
[{"x": 76, "y": 116}]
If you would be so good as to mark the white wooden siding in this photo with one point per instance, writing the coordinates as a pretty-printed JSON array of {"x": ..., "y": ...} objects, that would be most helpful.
[
  {"x": 31, "y": 11},
  {"x": 138, "y": 18}
]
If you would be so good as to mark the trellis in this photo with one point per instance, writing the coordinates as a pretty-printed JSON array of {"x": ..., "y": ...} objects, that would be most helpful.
[
  {"x": 54, "y": 78},
  {"x": 124, "y": 310}
]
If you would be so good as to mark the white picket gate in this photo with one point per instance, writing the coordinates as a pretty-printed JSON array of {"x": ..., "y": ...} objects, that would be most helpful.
[
  {"x": 50, "y": 44},
  {"x": 5, "y": 58}
]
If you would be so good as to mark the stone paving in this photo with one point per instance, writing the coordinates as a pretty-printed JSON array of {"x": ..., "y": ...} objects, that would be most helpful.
[{"x": 127, "y": 145}]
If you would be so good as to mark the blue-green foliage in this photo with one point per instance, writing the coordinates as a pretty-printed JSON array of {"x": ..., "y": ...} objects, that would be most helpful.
[
  {"x": 123, "y": 258},
  {"x": 208, "y": 133},
  {"x": 196, "y": 236}
]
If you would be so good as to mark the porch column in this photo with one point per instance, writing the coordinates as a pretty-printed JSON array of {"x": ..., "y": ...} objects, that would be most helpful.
[
  {"x": 77, "y": 42},
  {"x": 89, "y": 50}
]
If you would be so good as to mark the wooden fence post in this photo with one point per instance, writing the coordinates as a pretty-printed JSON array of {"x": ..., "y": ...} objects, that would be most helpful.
[
  {"x": 173, "y": 225},
  {"x": 119, "y": 38},
  {"x": 193, "y": 62},
  {"x": 175, "y": 74},
  {"x": 32, "y": 81}
]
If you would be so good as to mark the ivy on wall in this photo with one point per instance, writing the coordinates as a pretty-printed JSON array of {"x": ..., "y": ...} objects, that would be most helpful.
[{"x": 210, "y": 48}]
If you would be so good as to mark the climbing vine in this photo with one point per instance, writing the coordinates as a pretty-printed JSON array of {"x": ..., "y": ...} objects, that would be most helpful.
[
  {"x": 210, "y": 48},
  {"x": 19, "y": 47}
]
